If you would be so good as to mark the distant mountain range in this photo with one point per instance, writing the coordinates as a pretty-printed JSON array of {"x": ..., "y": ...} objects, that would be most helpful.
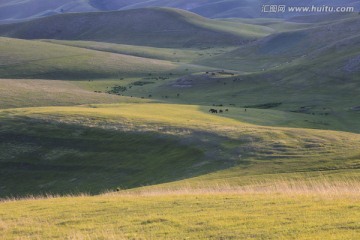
[{"x": 18, "y": 10}]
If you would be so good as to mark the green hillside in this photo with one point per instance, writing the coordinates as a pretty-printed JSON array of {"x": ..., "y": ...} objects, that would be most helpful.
[
  {"x": 293, "y": 47},
  {"x": 157, "y": 123},
  {"x": 169, "y": 54},
  {"x": 159, "y": 27},
  {"x": 34, "y": 59},
  {"x": 35, "y": 93},
  {"x": 94, "y": 148},
  {"x": 276, "y": 24}
]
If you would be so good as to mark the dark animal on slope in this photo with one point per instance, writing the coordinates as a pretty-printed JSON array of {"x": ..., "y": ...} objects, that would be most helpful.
[{"x": 213, "y": 110}]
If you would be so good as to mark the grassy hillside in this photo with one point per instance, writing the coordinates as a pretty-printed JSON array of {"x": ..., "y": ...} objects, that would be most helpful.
[
  {"x": 14, "y": 9},
  {"x": 318, "y": 93},
  {"x": 276, "y": 182},
  {"x": 169, "y": 54},
  {"x": 132, "y": 135},
  {"x": 33, "y": 59},
  {"x": 34, "y": 93},
  {"x": 94, "y": 148},
  {"x": 293, "y": 47},
  {"x": 276, "y": 24},
  {"x": 68, "y": 158},
  {"x": 21, "y": 10},
  {"x": 159, "y": 27}
]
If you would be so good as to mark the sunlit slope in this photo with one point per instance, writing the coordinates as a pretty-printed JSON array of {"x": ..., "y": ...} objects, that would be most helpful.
[
  {"x": 159, "y": 27},
  {"x": 168, "y": 54},
  {"x": 276, "y": 24},
  {"x": 34, "y": 93},
  {"x": 319, "y": 98},
  {"x": 33, "y": 59},
  {"x": 90, "y": 149}
]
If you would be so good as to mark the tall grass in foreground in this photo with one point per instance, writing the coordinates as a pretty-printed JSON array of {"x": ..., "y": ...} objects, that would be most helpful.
[
  {"x": 323, "y": 187},
  {"x": 346, "y": 187},
  {"x": 284, "y": 210}
]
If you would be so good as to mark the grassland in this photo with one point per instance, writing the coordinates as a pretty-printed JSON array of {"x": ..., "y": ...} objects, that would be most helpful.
[
  {"x": 201, "y": 216},
  {"x": 211, "y": 177},
  {"x": 289, "y": 48},
  {"x": 35, "y": 93},
  {"x": 169, "y": 54},
  {"x": 121, "y": 143},
  {"x": 276, "y": 24},
  {"x": 36, "y": 60},
  {"x": 186, "y": 138}
]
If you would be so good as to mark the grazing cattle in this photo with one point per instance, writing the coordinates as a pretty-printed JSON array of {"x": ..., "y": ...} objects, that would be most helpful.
[
  {"x": 226, "y": 110},
  {"x": 221, "y": 111},
  {"x": 213, "y": 110}
]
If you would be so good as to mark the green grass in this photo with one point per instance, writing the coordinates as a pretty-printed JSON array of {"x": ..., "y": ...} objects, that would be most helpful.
[
  {"x": 34, "y": 93},
  {"x": 209, "y": 216},
  {"x": 39, "y": 157},
  {"x": 34, "y": 59},
  {"x": 308, "y": 99},
  {"x": 275, "y": 24},
  {"x": 168, "y": 54},
  {"x": 97, "y": 145},
  {"x": 282, "y": 161}
]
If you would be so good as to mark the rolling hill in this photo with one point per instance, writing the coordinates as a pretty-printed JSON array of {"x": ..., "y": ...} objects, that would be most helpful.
[
  {"x": 85, "y": 150},
  {"x": 158, "y": 123},
  {"x": 95, "y": 147},
  {"x": 158, "y": 27},
  {"x": 35, "y": 93},
  {"x": 295, "y": 47},
  {"x": 34, "y": 59},
  {"x": 13, "y": 10}
]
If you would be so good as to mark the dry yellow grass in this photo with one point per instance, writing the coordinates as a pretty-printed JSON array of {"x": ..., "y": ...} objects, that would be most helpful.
[
  {"x": 281, "y": 211},
  {"x": 320, "y": 187}
]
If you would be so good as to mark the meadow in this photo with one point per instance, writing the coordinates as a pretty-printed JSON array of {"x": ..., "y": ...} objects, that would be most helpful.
[
  {"x": 185, "y": 216},
  {"x": 183, "y": 128}
]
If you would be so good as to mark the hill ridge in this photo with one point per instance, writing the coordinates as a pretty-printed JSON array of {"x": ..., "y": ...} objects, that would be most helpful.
[{"x": 147, "y": 26}]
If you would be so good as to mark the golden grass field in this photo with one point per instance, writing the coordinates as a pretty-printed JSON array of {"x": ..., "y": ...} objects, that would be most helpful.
[
  {"x": 291, "y": 183},
  {"x": 285, "y": 213}
]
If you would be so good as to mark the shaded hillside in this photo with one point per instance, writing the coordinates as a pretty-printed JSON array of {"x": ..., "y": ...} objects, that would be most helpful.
[
  {"x": 150, "y": 27},
  {"x": 295, "y": 47}
]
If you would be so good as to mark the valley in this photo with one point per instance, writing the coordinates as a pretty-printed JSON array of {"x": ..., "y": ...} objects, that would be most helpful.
[{"x": 158, "y": 123}]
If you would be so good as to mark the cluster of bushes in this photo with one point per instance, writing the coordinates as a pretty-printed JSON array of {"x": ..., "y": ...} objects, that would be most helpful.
[{"x": 117, "y": 90}]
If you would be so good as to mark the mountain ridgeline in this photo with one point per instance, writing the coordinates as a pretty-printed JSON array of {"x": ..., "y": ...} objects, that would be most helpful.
[
  {"x": 159, "y": 27},
  {"x": 13, "y": 10}
]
